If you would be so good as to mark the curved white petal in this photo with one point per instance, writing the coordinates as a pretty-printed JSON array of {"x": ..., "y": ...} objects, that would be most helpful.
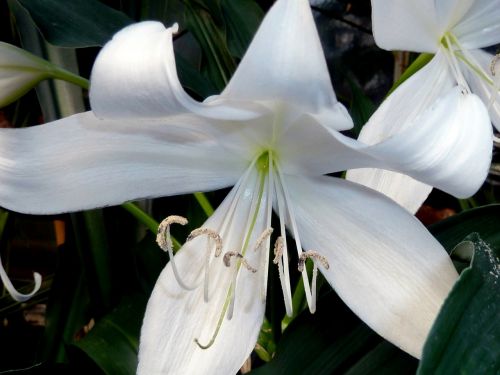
[
  {"x": 134, "y": 76},
  {"x": 451, "y": 12},
  {"x": 448, "y": 147},
  {"x": 383, "y": 263},
  {"x": 19, "y": 297},
  {"x": 480, "y": 27},
  {"x": 484, "y": 90},
  {"x": 285, "y": 61},
  {"x": 398, "y": 111},
  {"x": 394, "y": 116},
  {"x": 82, "y": 162},
  {"x": 176, "y": 317},
  {"x": 407, "y": 25}
]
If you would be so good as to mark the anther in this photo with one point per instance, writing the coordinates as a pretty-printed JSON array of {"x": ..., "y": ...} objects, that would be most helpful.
[
  {"x": 314, "y": 255},
  {"x": 278, "y": 249},
  {"x": 263, "y": 237},
  {"x": 227, "y": 260},
  {"x": 165, "y": 242},
  {"x": 493, "y": 64},
  {"x": 210, "y": 233},
  {"x": 163, "y": 237}
]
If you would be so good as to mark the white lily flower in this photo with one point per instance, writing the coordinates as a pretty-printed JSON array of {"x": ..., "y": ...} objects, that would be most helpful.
[
  {"x": 20, "y": 71},
  {"x": 273, "y": 133},
  {"x": 452, "y": 30}
]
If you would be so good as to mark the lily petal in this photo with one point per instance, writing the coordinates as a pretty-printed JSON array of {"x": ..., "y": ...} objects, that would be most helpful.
[
  {"x": 19, "y": 72},
  {"x": 134, "y": 76},
  {"x": 383, "y": 263},
  {"x": 481, "y": 88},
  {"x": 421, "y": 90},
  {"x": 82, "y": 162},
  {"x": 406, "y": 25},
  {"x": 19, "y": 297},
  {"x": 285, "y": 62},
  {"x": 449, "y": 146},
  {"x": 175, "y": 317},
  {"x": 480, "y": 27}
]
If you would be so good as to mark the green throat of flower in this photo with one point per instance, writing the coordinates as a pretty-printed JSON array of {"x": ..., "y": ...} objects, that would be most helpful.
[
  {"x": 265, "y": 182},
  {"x": 456, "y": 54}
]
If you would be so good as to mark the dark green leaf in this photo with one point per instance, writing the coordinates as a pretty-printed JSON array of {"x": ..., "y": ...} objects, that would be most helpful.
[
  {"x": 75, "y": 23},
  {"x": 242, "y": 18},
  {"x": 219, "y": 62},
  {"x": 483, "y": 220},
  {"x": 361, "y": 107},
  {"x": 333, "y": 341},
  {"x": 113, "y": 343},
  {"x": 465, "y": 338}
]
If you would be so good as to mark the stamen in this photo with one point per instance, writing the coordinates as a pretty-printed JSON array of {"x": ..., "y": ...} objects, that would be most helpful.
[
  {"x": 244, "y": 262},
  {"x": 278, "y": 250},
  {"x": 452, "y": 61},
  {"x": 218, "y": 249},
  {"x": 302, "y": 259},
  {"x": 165, "y": 242},
  {"x": 263, "y": 237},
  {"x": 295, "y": 232},
  {"x": 314, "y": 255},
  {"x": 493, "y": 64},
  {"x": 211, "y": 234}
]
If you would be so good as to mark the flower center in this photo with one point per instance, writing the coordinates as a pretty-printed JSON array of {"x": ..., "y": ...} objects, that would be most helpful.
[
  {"x": 455, "y": 52},
  {"x": 268, "y": 187}
]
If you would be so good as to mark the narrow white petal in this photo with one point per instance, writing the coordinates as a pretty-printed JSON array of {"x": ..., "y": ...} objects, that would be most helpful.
[
  {"x": 19, "y": 297},
  {"x": 407, "y": 25},
  {"x": 285, "y": 61},
  {"x": 395, "y": 113},
  {"x": 383, "y": 263},
  {"x": 176, "y": 317},
  {"x": 82, "y": 162},
  {"x": 481, "y": 88},
  {"x": 135, "y": 76},
  {"x": 480, "y": 27}
]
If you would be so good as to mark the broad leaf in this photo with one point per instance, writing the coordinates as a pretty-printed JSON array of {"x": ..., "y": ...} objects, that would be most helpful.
[
  {"x": 75, "y": 23},
  {"x": 242, "y": 19},
  {"x": 465, "y": 338},
  {"x": 113, "y": 343}
]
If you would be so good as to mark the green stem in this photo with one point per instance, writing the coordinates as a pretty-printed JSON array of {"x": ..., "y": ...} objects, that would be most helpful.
[
  {"x": 147, "y": 220},
  {"x": 204, "y": 203},
  {"x": 67, "y": 76}
]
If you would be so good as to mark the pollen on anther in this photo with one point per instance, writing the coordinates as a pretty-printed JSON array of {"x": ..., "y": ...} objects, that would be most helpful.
[
  {"x": 493, "y": 64},
  {"x": 314, "y": 255},
  {"x": 264, "y": 236},
  {"x": 227, "y": 260},
  {"x": 278, "y": 249},
  {"x": 163, "y": 236},
  {"x": 210, "y": 233}
]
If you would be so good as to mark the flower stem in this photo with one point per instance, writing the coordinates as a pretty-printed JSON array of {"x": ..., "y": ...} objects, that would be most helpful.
[{"x": 204, "y": 203}]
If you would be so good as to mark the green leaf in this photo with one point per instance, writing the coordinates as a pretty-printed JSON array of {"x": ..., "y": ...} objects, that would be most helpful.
[
  {"x": 465, "y": 339},
  {"x": 75, "y": 23},
  {"x": 219, "y": 62},
  {"x": 331, "y": 341},
  {"x": 242, "y": 18},
  {"x": 418, "y": 64},
  {"x": 114, "y": 341},
  {"x": 361, "y": 107},
  {"x": 483, "y": 220}
]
